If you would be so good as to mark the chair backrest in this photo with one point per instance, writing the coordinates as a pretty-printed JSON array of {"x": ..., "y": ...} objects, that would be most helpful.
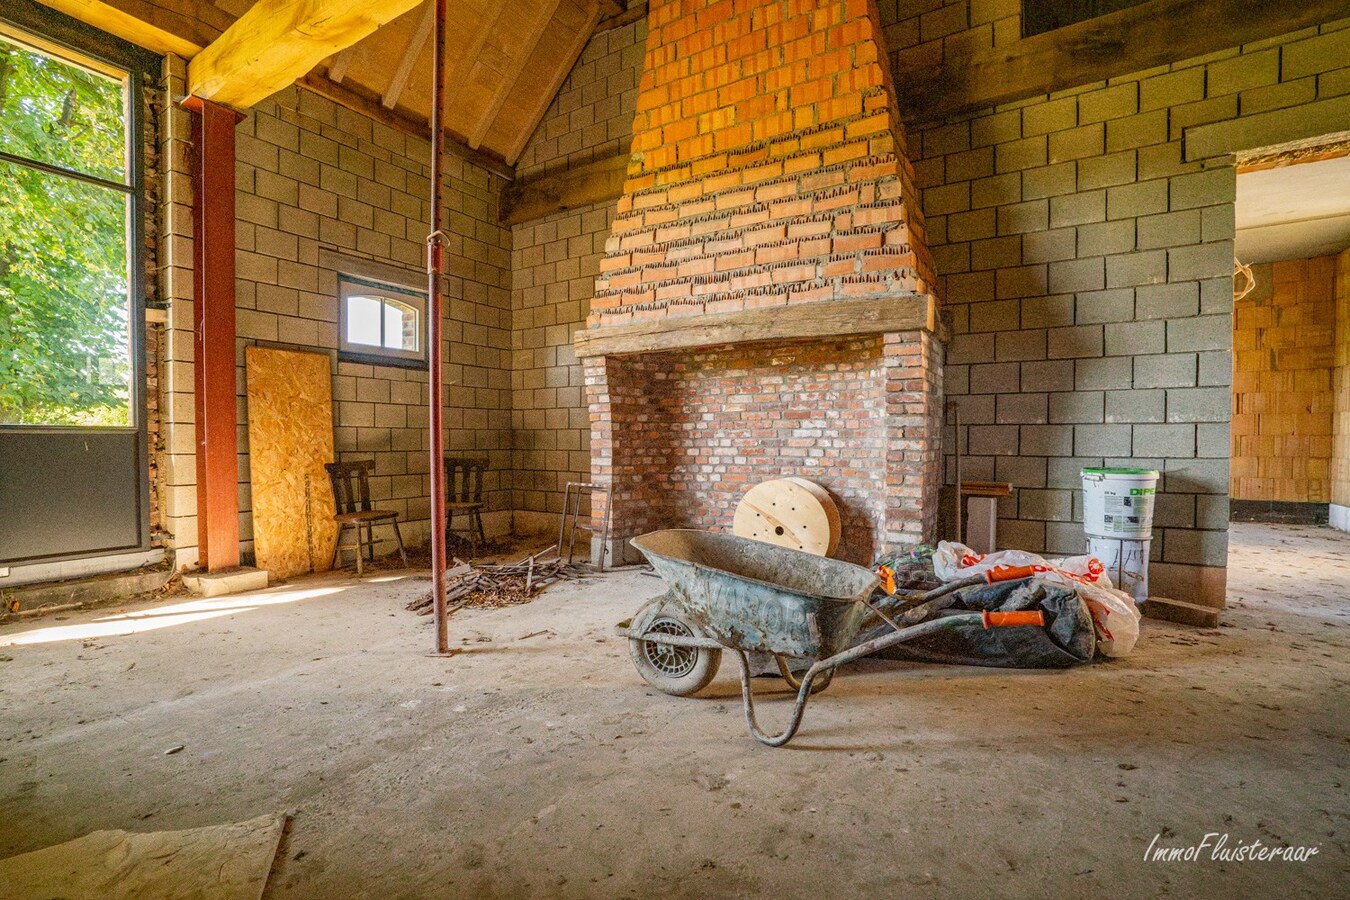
[
  {"x": 464, "y": 478},
  {"x": 351, "y": 484}
]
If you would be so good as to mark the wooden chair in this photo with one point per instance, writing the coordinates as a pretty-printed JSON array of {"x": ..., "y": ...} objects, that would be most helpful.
[
  {"x": 464, "y": 485},
  {"x": 351, "y": 496}
]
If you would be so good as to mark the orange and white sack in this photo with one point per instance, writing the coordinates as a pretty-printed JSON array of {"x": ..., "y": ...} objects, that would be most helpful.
[{"x": 1114, "y": 614}]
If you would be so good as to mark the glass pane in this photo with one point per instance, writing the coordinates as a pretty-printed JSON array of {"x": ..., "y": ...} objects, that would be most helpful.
[
  {"x": 400, "y": 326},
  {"x": 65, "y": 336},
  {"x": 58, "y": 113},
  {"x": 363, "y": 321}
]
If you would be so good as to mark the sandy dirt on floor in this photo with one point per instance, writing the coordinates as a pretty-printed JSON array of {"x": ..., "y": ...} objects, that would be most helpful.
[{"x": 539, "y": 764}]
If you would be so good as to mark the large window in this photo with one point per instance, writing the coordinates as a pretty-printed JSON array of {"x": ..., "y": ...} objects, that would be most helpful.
[
  {"x": 381, "y": 323},
  {"x": 67, "y": 182}
]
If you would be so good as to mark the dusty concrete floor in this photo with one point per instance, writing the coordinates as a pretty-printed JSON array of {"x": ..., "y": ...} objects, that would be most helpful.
[{"x": 542, "y": 766}]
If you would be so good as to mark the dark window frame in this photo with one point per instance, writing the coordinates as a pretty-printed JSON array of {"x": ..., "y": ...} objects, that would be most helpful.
[{"x": 377, "y": 356}]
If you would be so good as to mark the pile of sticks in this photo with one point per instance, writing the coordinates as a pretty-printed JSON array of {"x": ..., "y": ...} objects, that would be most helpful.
[{"x": 496, "y": 586}]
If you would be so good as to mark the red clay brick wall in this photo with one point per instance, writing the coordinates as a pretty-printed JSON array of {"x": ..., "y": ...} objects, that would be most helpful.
[
  {"x": 768, "y": 165},
  {"x": 700, "y": 428}
]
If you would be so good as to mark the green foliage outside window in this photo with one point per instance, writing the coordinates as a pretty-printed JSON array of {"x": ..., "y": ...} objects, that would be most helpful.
[{"x": 65, "y": 334}]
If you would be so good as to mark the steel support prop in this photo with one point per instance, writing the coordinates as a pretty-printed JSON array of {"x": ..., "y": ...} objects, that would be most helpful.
[{"x": 435, "y": 269}]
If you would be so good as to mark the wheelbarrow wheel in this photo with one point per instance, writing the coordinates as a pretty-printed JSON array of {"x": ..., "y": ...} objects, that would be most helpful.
[
  {"x": 821, "y": 682},
  {"x": 679, "y": 671}
]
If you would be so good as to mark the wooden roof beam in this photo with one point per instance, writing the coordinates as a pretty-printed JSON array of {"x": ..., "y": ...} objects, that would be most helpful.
[
  {"x": 410, "y": 55},
  {"x": 509, "y": 78},
  {"x": 180, "y": 27},
  {"x": 278, "y": 41}
]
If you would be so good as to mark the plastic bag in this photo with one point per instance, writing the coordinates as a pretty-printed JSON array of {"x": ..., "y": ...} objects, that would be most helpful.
[{"x": 1114, "y": 614}]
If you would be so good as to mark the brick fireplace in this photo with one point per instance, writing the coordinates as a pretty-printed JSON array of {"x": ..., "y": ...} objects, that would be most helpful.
[{"x": 765, "y": 305}]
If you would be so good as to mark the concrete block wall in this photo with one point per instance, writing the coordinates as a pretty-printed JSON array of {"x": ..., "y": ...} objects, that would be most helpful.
[
  {"x": 554, "y": 264},
  {"x": 592, "y": 116},
  {"x": 1087, "y": 273},
  {"x": 1283, "y": 355},
  {"x": 319, "y": 189}
]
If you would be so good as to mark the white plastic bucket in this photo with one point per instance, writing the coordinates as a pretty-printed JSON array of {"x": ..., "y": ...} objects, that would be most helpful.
[
  {"x": 1126, "y": 562},
  {"x": 1118, "y": 503}
]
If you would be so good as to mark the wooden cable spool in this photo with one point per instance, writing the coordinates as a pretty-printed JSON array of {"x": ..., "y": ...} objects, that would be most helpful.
[{"x": 789, "y": 512}]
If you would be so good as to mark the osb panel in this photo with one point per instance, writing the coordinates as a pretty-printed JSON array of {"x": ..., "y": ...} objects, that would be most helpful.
[
  {"x": 1283, "y": 402},
  {"x": 290, "y": 437}
]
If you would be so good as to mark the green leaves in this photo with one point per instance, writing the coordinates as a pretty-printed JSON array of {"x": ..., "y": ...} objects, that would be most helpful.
[{"x": 64, "y": 300}]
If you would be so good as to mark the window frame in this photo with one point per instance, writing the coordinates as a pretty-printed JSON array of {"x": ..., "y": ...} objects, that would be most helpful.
[
  {"x": 47, "y": 31},
  {"x": 349, "y": 285}
]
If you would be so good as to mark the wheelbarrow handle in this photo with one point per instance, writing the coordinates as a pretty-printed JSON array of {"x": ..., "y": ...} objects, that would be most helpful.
[
  {"x": 1006, "y": 619},
  {"x": 1009, "y": 573}
]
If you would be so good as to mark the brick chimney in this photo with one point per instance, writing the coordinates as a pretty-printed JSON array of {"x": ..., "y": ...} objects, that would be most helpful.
[{"x": 765, "y": 303}]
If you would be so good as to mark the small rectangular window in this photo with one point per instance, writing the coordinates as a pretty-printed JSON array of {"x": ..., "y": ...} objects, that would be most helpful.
[
  {"x": 66, "y": 253},
  {"x": 380, "y": 323}
]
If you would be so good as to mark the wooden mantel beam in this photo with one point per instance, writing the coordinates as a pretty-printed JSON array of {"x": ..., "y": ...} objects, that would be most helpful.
[{"x": 278, "y": 41}]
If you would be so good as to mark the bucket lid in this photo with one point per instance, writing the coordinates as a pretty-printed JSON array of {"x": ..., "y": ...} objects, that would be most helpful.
[{"x": 1122, "y": 470}]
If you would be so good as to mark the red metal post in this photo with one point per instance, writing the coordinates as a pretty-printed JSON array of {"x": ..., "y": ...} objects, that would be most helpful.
[
  {"x": 435, "y": 269},
  {"x": 213, "y": 326}
]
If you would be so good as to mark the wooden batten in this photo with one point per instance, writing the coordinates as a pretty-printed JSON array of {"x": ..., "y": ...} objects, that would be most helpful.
[{"x": 823, "y": 319}]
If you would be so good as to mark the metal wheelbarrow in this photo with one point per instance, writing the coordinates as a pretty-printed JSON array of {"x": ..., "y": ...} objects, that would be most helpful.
[{"x": 732, "y": 593}]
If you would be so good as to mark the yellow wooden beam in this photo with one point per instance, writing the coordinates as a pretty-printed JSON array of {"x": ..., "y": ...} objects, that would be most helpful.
[
  {"x": 279, "y": 41},
  {"x": 162, "y": 26}
]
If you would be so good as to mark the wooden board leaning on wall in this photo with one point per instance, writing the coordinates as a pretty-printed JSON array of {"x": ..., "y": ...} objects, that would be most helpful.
[{"x": 290, "y": 437}]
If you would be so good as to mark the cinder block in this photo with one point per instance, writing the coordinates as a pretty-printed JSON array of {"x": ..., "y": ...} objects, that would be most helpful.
[
  {"x": 1249, "y": 70},
  {"x": 1107, "y": 170},
  {"x": 1106, "y": 238},
  {"x": 1050, "y": 115},
  {"x": 1198, "y": 404},
  {"x": 1075, "y": 342},
  {"x": 996, "y": 190},
  {"x": 1144, "y": 267},
  {"x": 1113, "y": 102},
  {"x": 1103, "y": 374},
  {"x": 1211, "y": 187},
  {"x": 1167, "y": 301},
  {"x": 1200, "y": 261},
  {"x": 1102, "y": 440},
  {"x": 1215, "y": 368},
  {"x": 1165, "y": 370},
  {"x": 1046, "y": 440},
  {"x": 1135, "y": 338},
  {"x": 1214, "y": 440},
  {"x": 1022, "y": 409},
  {"x": 1170, "y": 229},
  {"x": 1020, "y": 218},
  {"x": 1137, "y": 131},
  {"x": 1046, "y": 376},
  {"x": 1069, "y": 276},
  {"x": 1171, "y": 89},
  {"x": 1049, "y": 181},
  {"x": 1200, "y": 333},
  {"x": 1077, "y": 143},
  {"x": 1136, "y": 406},
  {"x": 1049, "y": 246},
  {"x": 1078, "y": 407},
  {"x": 1097, "y": 307},
  {"x": 1021, "y": 345},
  {"x": 1143, "y": 198},
  {"x": 1021, "y": 154},
  {"x": 1077, "y": 209}
]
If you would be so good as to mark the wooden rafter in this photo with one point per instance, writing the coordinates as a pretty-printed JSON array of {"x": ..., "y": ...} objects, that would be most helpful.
[
  {"x": 545, "y": 98},
  {"x": 459, "y": 72},
  {"x": 278, "y": 41},
  {"x": 524, "y": 51},
  {"x": 338, "y": 70},
  {"x": 410, "y": 55}
]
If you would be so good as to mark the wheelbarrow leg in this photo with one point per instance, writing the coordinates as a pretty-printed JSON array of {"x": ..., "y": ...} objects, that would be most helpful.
[{"x": 803, "y": 694}]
